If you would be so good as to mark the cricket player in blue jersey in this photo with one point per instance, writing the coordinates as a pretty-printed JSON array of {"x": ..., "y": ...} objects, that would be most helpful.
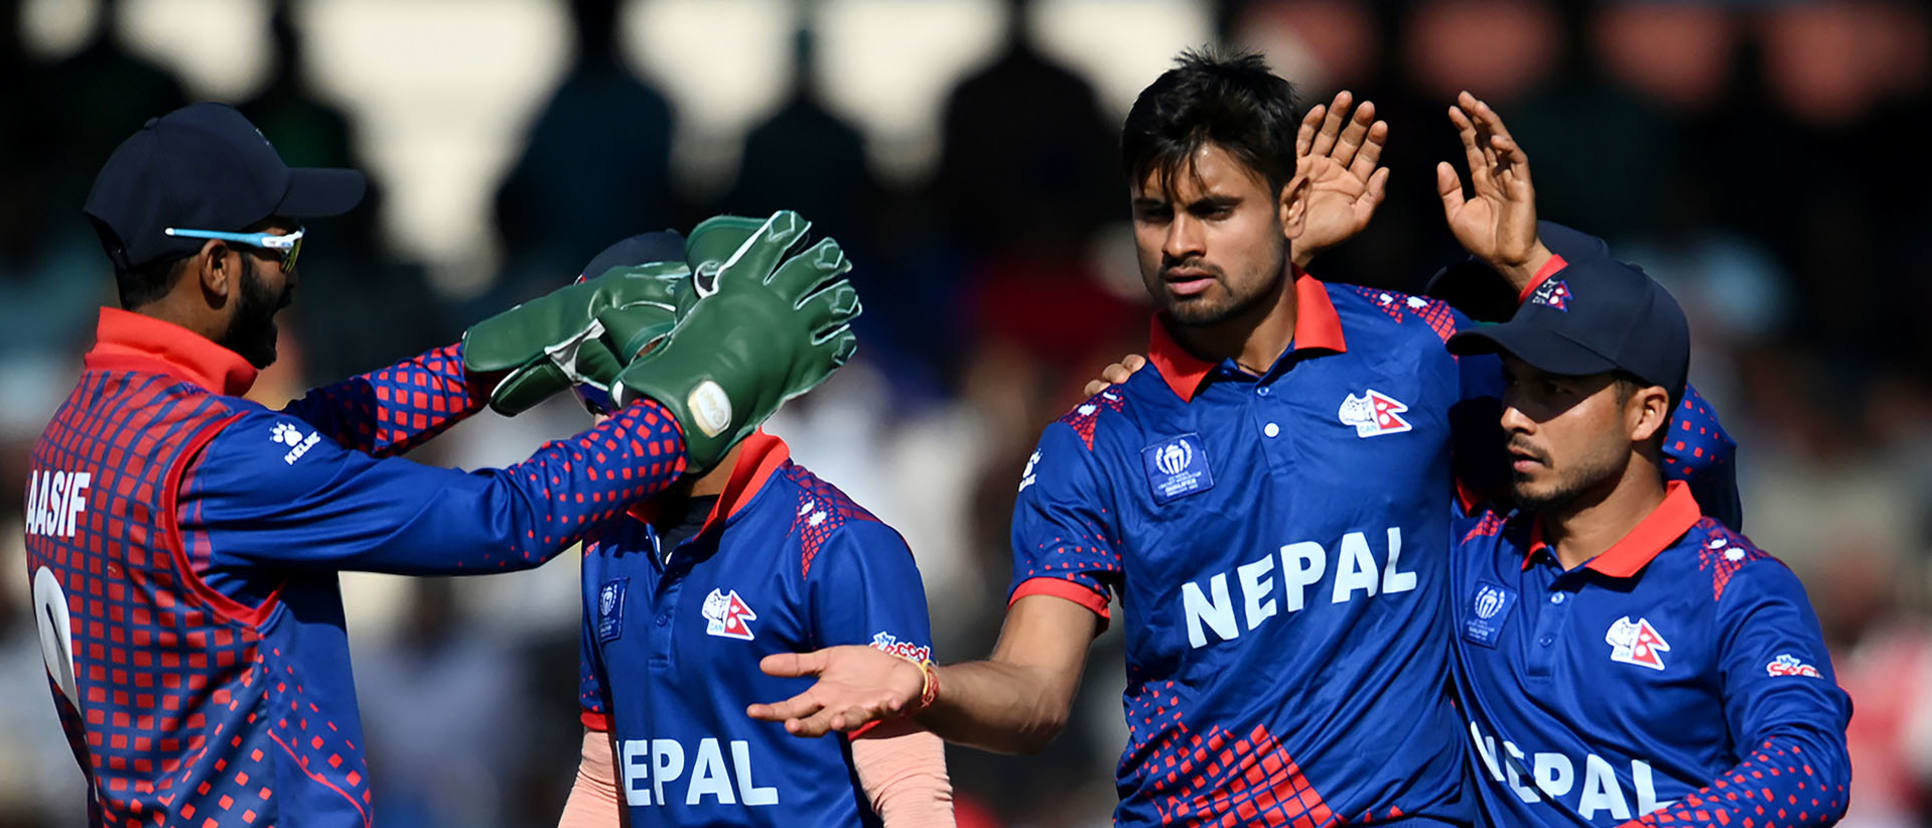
[
  {"x": 184, "y": 542},
  {"x": 1271, "y": 504},
  {"x": 1621, "y": 654},
  {"x": 688, "y": 591}
]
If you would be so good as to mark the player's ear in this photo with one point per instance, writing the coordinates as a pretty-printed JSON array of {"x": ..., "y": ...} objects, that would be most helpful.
[
  {"x": 215, "y": 270},
  {"x": 1291, "y": 205},
  {"x": 1648, "y": 413}
]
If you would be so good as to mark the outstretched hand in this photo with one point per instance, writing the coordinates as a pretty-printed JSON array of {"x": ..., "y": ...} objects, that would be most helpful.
[
  {"x": 857, "y": 685},
  {"x": 1339, "y": 153}
]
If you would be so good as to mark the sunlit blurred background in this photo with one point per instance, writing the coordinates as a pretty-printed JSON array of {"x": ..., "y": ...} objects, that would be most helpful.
[{"x": 1769, "y": 161}]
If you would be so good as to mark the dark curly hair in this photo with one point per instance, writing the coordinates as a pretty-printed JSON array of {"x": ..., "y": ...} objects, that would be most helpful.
[{"x": 1232, "y": 100}]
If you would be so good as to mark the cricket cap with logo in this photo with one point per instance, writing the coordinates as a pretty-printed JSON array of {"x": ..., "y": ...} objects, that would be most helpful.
[
  {"x": 205, "y": 167},
  {"x": 1594, "y": 315}
]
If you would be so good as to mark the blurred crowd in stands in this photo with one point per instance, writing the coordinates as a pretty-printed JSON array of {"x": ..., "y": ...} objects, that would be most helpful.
[{"x": 1767, "y": 161}]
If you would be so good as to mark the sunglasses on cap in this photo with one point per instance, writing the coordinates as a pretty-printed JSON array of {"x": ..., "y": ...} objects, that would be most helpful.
[{"x": 289, "y": 245}]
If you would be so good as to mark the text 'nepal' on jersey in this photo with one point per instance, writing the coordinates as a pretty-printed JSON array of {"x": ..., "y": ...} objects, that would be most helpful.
[
  {"x": 1279, "y": 546},
  {"x": 672, "y": 637},
  {"x": 183, "y": 544},
  {"x": 1679, "y": 675}
]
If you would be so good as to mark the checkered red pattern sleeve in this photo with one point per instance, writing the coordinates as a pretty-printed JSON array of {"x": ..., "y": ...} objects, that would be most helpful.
[
  {"x": 268, "y": 491},
  {"x": 392, "y": 410}
]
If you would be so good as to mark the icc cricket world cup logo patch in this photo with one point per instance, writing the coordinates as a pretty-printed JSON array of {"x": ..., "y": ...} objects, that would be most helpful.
[{"x": 1177, "y": 467}]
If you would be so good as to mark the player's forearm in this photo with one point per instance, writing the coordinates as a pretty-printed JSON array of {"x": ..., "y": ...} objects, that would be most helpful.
[
  {"x": 996, "y": 706},
  {"x": 420, "y": 520},
  {"x": 1799, "y": 776},
  {"x": 394, "y": 409},
  {"x": 593, "y": 797},
  {"x": 903, "y": 772}
]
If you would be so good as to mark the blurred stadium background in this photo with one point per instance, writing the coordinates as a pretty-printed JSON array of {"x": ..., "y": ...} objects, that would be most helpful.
[{"x": 1768, "y": 161}]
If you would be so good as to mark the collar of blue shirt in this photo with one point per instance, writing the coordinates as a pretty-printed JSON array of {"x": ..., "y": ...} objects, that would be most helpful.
[
  {"x": 1316, "y": 326},
  {"x": 1631, "y": 553},
  {"x": 762, "y": 454}
]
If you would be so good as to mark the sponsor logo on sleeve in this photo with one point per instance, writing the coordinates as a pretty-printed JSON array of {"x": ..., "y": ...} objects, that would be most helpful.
[
  {"x": 886, "y": 642},
  {"x": 1027, "y": 477},
  {"x": 1787, "y": 664},
  {"x": 290, "y": 434}
]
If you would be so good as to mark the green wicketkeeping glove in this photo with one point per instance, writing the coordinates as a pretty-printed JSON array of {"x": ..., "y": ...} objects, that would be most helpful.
[
  {"x": 713, "y": 242},
  {"x": 579, "y": 335},
  {"x": 773, "y": 324}
]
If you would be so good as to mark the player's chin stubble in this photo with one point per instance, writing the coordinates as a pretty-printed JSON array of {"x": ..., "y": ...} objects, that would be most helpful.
[
  {"x": 252, "y": 334},
  {"x": 1213, "y": 306}
]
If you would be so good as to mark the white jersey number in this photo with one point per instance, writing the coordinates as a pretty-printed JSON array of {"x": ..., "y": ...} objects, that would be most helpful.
[{"x": 56, "y": 632}]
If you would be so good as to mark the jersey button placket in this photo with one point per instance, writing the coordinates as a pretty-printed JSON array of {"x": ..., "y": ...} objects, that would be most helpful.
[
  {"x": 1552, "y": 620},
  {"x": 1271, "y": 420},
  {"x": 663, "y": 626}
]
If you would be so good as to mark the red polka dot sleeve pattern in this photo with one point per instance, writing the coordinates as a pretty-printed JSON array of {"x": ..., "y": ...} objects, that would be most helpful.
[
  {"x": 1781, "y": 700},
  {"x": 391, "y": 411},
  {"x": 1777, "y": 787},
  {"x": 267, "y": 493}
]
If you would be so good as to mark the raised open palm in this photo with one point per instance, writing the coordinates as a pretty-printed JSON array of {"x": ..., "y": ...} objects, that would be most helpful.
[
  {"x": 1339, "y": 153},
  {"x": 1497, "y": 221}
]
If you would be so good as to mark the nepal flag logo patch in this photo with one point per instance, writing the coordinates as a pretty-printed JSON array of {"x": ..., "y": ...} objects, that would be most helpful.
[
  {"x": 1554, "y": 293},
  {"x": 1636, "y": 643},
  {"x": 728, "y": 616},
  {"x": 1373, "y": 414}
]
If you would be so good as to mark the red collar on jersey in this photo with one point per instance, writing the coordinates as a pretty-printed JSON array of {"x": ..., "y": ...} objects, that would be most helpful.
[
  {"x": 127, "y": 341},
  {"x": 1316, "y": 326},
  {"x": 759, "y": 455},
  {"x": 1654, "y": 534}
]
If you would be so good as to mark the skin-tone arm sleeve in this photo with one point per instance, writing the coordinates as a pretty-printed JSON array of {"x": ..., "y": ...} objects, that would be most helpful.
[
  {"x": 903, "y": 771},
  {"x": 593, "y": 797}
]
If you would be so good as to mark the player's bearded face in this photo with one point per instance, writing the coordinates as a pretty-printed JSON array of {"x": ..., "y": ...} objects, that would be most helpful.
[
  {"x": 1209, "y": 238},
  {"x": 251, "y": 333},
  {"x": 1566, "y": 436}
]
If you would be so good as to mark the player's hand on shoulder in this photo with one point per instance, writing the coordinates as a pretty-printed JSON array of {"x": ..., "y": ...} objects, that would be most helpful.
[
  {"x": 857, "y": 685},
  {"x": 1339, "y": 153},
  {"x": 1497, "y": 221},
  {"x": 1116, "y": 373}
]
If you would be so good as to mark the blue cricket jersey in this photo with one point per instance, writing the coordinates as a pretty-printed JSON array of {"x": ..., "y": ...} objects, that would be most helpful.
[
  {"x": 1679, "y": 677},
  {"x": 184, "y": 541},
  {"x": 1279, "y": 548},
  {"x": 673, "y": 636}
]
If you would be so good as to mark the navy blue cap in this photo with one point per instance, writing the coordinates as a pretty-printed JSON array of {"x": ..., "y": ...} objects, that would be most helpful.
[
  {"x": 1593, "y": 316},
  {"x": 203, "y": 167},
  {"x": 1472, "y": 287},
  {"x": 643, "y": 248}
]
